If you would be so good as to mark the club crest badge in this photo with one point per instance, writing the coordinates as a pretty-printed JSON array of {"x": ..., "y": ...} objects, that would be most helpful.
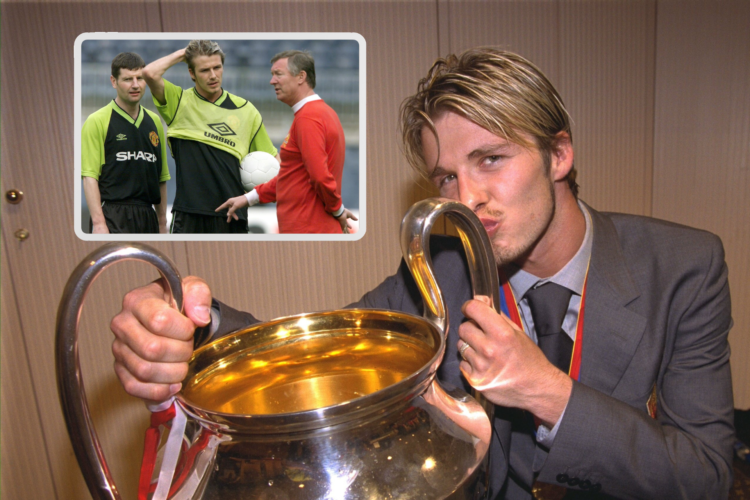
[{"x": 233, "y": 122}]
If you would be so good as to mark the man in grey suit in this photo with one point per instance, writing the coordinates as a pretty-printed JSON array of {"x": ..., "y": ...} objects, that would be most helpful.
[{"x": 626, "y": 393}]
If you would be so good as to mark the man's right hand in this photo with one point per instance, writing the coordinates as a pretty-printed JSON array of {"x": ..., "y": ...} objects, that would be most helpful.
[
  {"x": 232, "y": 205},
  {"x": 153, "y": 341},
  {"x": 153, "y": 73}
]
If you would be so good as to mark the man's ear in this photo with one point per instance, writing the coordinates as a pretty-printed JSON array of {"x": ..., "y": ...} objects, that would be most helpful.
[
  {"x": 192, "y": 75},
  {"x": 114, "y": 81},
  {"x": 302, "y": 77},
  {"x": 561, "y": 156}
]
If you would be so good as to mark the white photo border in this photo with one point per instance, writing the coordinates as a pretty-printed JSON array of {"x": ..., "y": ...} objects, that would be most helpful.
[{"x": 77, "y": 191}]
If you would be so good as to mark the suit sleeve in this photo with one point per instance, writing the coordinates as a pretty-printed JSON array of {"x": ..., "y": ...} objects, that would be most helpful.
[
  {"x": 686, "y": 452},
  {"x": 230, "y": 320},
  {"x": 388, "y": 295},
  {"x": 311, "y": 138}
]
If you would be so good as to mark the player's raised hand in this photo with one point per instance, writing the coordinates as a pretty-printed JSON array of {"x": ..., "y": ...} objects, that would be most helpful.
[
  {"x": 153, "y": 73},
  {"x": 343, "y": 219},
  {"x": 153, "y": 341},
  {"x": 233, "y": 204}
]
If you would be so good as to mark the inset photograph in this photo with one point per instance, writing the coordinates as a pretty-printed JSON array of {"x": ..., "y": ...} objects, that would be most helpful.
[{"x": 235, "y": 137}]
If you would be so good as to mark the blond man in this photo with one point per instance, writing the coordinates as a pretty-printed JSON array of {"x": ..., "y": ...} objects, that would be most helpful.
[
  {"x": 609, "y": 365},
  {"x": 209, "y": 132}
]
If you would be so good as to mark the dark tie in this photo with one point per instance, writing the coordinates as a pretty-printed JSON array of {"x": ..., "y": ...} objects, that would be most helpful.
[{"x": 548, "y": 304}]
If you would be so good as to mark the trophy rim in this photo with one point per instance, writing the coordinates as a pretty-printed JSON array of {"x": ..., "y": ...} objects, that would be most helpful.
[{"x": 353, "y": 412}]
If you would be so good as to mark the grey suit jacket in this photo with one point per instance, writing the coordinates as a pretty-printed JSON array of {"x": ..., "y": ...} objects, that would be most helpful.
[{"x": 657, "y": 315}]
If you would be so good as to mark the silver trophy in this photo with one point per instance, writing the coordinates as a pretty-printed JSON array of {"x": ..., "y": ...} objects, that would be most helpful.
[{"x": 339, "y": 405}]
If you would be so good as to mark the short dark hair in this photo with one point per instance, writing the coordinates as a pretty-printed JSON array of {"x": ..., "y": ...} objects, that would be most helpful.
[
  {"x": 201, "y": 48},
  {"x": 298, "y": 60},
  {"x": 126, "y": 60}
]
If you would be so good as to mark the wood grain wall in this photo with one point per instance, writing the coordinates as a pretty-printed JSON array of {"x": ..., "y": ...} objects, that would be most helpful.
[{"x": 658, "y": 91}]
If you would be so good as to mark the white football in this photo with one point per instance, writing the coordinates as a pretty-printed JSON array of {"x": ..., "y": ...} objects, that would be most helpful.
[{"x": 256, "y": 168}]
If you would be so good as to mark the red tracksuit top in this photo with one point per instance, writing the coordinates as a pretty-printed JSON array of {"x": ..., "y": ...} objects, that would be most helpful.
[{"x": 307, "y": 189}]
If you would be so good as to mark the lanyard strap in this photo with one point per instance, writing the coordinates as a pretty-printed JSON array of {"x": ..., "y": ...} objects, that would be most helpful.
[{"x": 509, "y": 306}]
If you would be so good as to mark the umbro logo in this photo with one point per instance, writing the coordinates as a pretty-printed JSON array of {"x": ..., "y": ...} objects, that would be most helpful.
[
  {"x": 221, "y": 128},
  {"x": 122, "y": 137}
]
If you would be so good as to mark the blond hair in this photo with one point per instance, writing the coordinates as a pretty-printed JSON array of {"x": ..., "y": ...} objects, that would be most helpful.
[
  {"x": 201, "y": 48},
  {"x": 500, "y": 91}
]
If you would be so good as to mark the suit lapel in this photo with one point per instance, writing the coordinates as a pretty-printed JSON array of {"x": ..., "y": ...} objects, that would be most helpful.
[{"x": 611, "y": 331}]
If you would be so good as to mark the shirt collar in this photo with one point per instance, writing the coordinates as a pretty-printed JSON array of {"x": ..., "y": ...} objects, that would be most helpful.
[
  {"x": 298, "y": 106},
  {"x": 125, "y": 114},
  {"x": 571, "y": 276},
  {"x": 218, "y": 100}
]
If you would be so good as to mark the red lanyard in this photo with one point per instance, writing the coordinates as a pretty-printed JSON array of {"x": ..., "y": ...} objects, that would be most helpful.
[{"x": 508, "y": 298}]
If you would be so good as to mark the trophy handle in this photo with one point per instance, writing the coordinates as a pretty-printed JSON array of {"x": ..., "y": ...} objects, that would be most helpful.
[
  {"x": 415, "y": 245},
  {"x": 69, "y": 382}
]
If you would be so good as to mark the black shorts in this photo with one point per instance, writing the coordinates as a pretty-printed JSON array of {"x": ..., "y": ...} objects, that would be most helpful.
[
  {"x": 128, "y": 218},
  {"x": 184, "y": 222}
]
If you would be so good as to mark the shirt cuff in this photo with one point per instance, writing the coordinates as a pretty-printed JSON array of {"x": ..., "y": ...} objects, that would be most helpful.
[
  {"x": 252, "y": 198},
  {"x": 338, "y": 212},
  {"x": 545, "y": 436},
  {"x": 205, "y": 334}
]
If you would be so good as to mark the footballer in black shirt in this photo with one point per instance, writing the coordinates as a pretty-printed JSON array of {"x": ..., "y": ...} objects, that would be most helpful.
[{"x": 123, "y": 158}]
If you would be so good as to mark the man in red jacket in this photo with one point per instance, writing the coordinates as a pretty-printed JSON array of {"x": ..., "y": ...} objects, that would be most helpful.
[{"x": 307, "y": 189}]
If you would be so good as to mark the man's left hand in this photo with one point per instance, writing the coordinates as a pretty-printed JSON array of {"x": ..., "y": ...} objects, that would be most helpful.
[
  {"x": 346, "y": 227},
  {"x": 505, "y": 365}
]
